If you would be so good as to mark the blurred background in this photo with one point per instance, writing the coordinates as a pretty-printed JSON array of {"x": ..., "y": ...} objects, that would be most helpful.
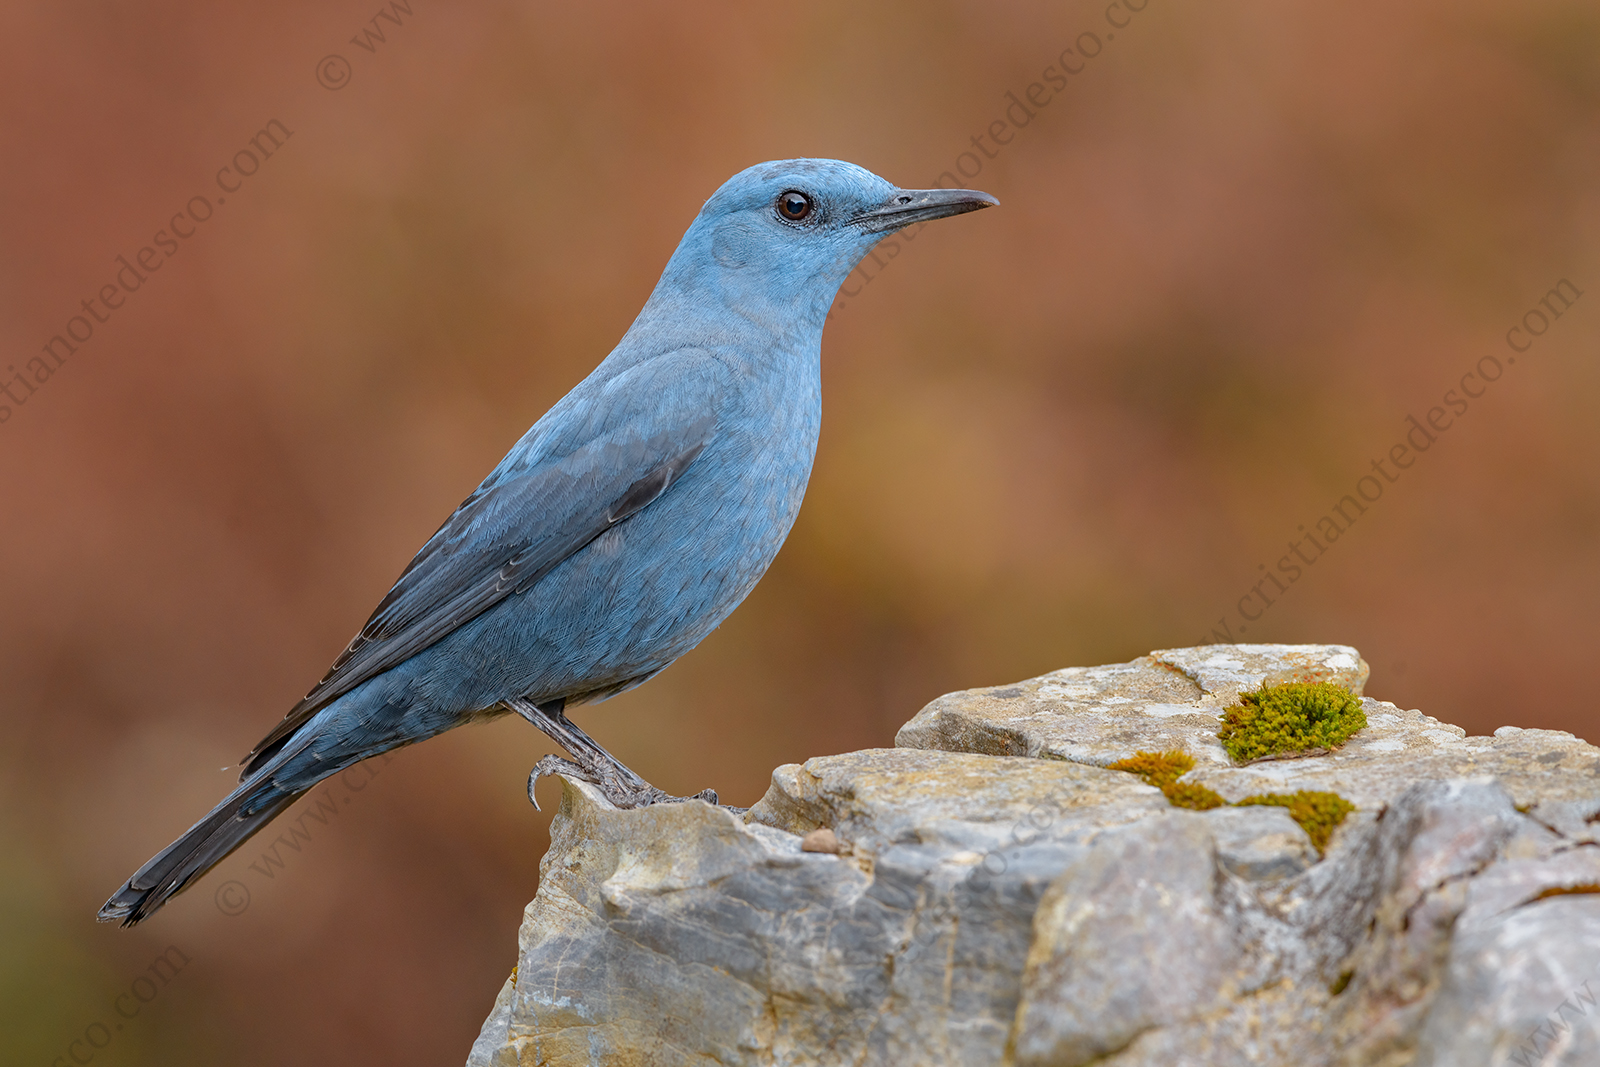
[{"x": 1241, "y": 246}]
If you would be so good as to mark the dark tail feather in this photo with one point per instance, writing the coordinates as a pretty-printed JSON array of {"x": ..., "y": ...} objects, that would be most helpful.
[{"x": 246, "y": 810}]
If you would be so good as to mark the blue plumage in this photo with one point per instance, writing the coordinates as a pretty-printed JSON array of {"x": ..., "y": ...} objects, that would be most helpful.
[{"x": 619, "y": 531}]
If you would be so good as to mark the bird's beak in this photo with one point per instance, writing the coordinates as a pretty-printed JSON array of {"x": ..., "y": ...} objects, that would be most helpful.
[{"x": 907, "y": 206}]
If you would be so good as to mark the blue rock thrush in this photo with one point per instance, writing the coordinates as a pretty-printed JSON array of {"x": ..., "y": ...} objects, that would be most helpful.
[{"x": 618, "y": 532}]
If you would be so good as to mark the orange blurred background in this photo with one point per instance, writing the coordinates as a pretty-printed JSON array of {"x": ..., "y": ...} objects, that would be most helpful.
[{"x": 1244, "y": 244}]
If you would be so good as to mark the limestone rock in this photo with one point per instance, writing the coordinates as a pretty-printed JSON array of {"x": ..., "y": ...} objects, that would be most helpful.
[
  {"x": 1092, "y": 982},
  {"x": 1174, "y": 698},
  {"x": 1260, "y": 844},
  {"x": 995, "y": 894}
]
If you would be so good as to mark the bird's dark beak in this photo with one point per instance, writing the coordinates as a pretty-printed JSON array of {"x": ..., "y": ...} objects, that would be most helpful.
[{"x": 907, "y": 206}]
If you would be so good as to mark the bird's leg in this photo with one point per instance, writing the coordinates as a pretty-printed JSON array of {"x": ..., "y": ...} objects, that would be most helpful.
[{"x": 589, "y": 761}]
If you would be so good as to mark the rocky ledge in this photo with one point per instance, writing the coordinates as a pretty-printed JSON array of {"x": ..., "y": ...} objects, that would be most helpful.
[{"x": 989, "y": 891}]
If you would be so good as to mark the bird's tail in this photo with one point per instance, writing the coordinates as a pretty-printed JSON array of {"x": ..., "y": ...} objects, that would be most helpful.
[{"x": 244, "y": 811}]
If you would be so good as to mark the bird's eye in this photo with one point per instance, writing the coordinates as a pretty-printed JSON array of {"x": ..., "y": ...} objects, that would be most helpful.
[{"x": 794, "y": 206}]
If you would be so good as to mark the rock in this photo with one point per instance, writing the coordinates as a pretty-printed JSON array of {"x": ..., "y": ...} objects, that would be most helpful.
[
  {"x": 1174, "y": 698},
  {"x": 1106, "y": 964},
  {"x": 1260, "y": 844},
  {"x": 821, "y": 839},
  {"x": 1520, "y": 991},
  {"x": 993, "y": 894},
  {"x": 493, "y": 1047}
]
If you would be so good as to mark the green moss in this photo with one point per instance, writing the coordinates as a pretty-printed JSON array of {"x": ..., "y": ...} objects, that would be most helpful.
[
  {"x": 1157, "y": 767},
  {"x": 1291, "y": 719},
  {"x": 1162, "y": 770},
  {"x": 1318, "y": 814},
  {"x": 1192, "y": 795}
]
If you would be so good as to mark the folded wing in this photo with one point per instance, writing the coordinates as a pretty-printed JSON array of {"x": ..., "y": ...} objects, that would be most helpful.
[{"x": 511, "y": 532}]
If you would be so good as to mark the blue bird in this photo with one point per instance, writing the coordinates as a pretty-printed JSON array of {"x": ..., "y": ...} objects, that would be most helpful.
[{"x": 618, "y": 532}]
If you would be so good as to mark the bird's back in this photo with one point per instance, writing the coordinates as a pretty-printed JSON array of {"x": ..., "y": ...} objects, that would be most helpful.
[{"x": 649, "y": 589}]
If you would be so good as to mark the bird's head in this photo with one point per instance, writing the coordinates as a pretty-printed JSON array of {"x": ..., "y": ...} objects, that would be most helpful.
[{"x": 779, "y": 238}]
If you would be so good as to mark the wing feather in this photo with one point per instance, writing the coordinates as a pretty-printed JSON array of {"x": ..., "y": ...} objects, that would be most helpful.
[{"x": 506, "y": 536}]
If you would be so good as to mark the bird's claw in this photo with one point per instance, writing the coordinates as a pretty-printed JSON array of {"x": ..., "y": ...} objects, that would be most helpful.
[
  {"x": 621, "y": 793},
  {"x": 554, "y": 765}
]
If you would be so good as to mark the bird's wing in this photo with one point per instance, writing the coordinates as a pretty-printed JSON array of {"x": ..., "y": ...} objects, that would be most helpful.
[{"x": 518, "y": 526}]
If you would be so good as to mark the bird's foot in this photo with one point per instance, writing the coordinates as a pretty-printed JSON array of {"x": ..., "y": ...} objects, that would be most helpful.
[{"x": 618, "y": 789}]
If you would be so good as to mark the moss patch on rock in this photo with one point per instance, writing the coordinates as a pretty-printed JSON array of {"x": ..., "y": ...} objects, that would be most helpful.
[
  {"x": 1193, "y": 795},
  {"x": 1297, "y": 719},
  {"x": 1318, "y": 814},
  {"x": 1162, "y": 770},
  {"x": 1157, "y": 767}
]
